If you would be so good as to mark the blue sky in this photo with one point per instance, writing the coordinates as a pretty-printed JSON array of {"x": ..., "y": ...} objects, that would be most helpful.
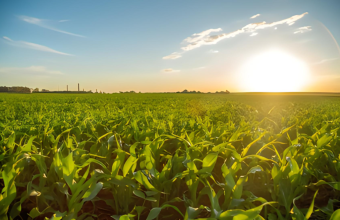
[{"x": 124, "y": 45}]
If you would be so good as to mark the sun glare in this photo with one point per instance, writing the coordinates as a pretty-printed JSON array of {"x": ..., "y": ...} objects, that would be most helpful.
[{"x": 274, "y": 71}]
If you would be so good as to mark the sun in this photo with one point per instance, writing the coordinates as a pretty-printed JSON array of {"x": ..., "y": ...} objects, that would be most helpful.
[{"x": 274, "y": 71}]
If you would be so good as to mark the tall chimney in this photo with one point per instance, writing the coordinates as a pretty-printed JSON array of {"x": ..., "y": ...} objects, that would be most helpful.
[
  {"x": 67, "y": 87},
  {"x": 78, "y": 87}
]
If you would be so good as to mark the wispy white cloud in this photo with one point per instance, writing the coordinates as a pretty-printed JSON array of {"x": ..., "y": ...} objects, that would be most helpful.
[
  {"x": 192, "y": 43},
  {"x": 170, "y": 70},
  {"x": 33, "y": 46},
  {"x": 254, "y": 16},
  {"x": 326, "y": 61},
  {"x": 204, "y": 37},
  {"x": 44, "y": 23},
  {"x": 7, "y": 38},
  {"x": 196, "y": 37},
  {"x": 303, "y": 29},
  {"x": 207, "y": 39},
  {"x": 172, "y": 56},
  {"x": 213, "y": 51},
  {"x": 33, "y": 70},
  {"x": 253, "y": 34},
  {"x": 63, "y": 20}
]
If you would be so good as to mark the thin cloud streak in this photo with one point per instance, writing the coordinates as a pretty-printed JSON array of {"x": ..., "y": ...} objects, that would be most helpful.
[
  {"x": 170, "y": 70},
  {"x": 43, "y": 23},
  {"x": 255, "y": 16},
  {"x": 303, "y": 29},
  {"x": 199, "y": 36},
  {"x": 204, "y": 38},
  {"x": 172, "y": 56},
  {"x": 213, "y": 51},
  {"x": 7, "y": 38},
  {"x": 33, "y": 46}
]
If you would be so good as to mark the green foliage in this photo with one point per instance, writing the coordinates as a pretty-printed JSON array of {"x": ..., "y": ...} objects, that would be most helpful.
[{"x": 169, "y": 156}]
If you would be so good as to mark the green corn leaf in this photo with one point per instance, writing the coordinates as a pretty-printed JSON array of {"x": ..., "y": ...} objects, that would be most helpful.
[
  {"x": 69, "y": 171},
  {"x": 118, "y": 162},
  {"x": 27, "y": 147},
  {"x": 245, "y": 150},
  {"x": 324, "y": 140},
  {"x": 335, "y": 215},
  {"x": 243, "y": 214},
  {"x": 142, "y": 179},
  {"x": 311, "y": 207},
  {"x": 131, "y": 162},
  {"x": 238, "y": 188},
  {"x": 210, "y": 160},
  {"x": 92, "y": 191},
  {"x": 58, "y": 215},
  {"x": 335, "y": 185},
  {"x": 235, "y": 135},
  {"x": 139, "y": 210},
  {"x": 155, "y": 211},
  {"x": 9, "y": 190}
]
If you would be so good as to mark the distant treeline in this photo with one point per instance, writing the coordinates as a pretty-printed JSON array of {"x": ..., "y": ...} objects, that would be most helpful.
[
  {"x": 16, "y": 89},
  {"x": 36, "y": 90},
  {"x": 186, "y": 91},
  {"x": 63, "y": 92},
  {"x": 22, "y": 89}
]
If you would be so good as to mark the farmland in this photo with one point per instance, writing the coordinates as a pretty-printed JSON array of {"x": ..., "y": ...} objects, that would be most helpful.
[{"x": 169, "y": 156}]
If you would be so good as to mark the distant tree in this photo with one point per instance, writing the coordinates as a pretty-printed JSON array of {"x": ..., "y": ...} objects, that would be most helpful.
[
  {"x": 19, "y": 89},
  {"x": 36, "y": 90},
  {"x": 186, "y": 91},
  {"x": 223, "y": 92},
  {"x": 45, "y": 90},
  {"x": 4, "y": 89}
]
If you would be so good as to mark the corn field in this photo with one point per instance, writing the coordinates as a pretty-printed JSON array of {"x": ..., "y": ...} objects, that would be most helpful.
[{"x": 169, "y": 156}]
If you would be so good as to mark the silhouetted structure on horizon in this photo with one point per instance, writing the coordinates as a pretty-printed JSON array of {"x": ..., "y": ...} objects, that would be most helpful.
[
  {"x": 15, "y": 89},
  {"x": 22, "y": 89}
]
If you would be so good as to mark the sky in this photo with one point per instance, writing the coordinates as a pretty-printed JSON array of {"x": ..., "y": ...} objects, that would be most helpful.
[{"x": 169, "y": 46}]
